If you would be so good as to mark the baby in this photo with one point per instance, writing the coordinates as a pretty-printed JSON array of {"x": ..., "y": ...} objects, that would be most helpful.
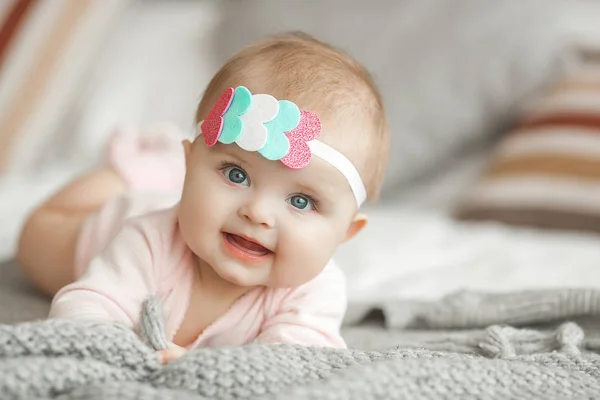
[{"x": 235, "y": 234}]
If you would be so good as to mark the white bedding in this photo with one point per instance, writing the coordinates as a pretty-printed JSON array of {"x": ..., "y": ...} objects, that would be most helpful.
[
  {"x": 411, "y": 249},
  {"x": 425, "y": 255}
]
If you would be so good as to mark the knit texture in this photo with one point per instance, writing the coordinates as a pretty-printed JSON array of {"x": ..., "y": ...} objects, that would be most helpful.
[{"x": 89, "y": 360}]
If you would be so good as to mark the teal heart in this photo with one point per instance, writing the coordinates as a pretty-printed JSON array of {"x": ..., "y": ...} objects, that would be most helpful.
[
  {"x": 232, "y": 124},
  {"x": 287, "y": 118}
]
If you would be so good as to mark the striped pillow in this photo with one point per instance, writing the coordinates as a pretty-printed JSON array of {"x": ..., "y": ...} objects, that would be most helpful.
[
  {"x": 545, "y": 173},
  {"x": 47, "y": 50}
]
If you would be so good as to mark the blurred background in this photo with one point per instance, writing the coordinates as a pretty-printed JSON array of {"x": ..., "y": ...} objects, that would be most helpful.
[{"x": 494, "y": 176}]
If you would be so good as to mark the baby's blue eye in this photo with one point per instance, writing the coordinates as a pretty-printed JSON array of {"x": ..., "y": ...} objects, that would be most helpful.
[
  {"x": 236, "y": 175},
  {"x": 301, "y": 202}
]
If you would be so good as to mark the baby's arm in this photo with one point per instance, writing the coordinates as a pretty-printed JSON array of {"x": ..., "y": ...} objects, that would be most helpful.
[
  {"x": 312, "y": 314},
  {"x": 115, "y": 284}
]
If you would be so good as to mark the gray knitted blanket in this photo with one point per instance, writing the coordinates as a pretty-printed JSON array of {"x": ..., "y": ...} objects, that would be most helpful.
[{"x": 88, "y": 360}]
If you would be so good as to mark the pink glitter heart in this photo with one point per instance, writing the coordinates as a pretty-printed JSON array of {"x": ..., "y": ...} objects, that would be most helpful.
[
  {"x": 308, "y": 129},
  {"x": 213, "y": 124}
]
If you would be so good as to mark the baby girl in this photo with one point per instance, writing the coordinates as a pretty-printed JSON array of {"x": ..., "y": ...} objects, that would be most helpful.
[{"x": 235, "y": 233}]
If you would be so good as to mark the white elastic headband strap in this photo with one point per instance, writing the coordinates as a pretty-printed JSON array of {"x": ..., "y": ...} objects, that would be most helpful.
[{"x": 342, "y": 164}]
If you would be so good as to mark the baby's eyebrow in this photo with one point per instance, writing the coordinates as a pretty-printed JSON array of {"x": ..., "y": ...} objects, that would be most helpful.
[
  {"x": 231, "y": 154},
  {"x": 314, "y": 190}
]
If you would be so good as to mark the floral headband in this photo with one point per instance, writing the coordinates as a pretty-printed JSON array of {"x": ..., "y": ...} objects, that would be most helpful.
[{"x": 278, "y": 130}]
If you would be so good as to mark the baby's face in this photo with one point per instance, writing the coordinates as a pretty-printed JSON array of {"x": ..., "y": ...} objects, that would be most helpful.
[{"x": 257, "y": 222}]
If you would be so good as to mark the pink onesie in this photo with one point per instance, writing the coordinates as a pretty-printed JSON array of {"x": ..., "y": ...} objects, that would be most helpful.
[{"x": 131, "y": 249}]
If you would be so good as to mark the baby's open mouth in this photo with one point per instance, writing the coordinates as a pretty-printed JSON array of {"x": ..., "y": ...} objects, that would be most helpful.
[{"x": 246, "y": 245}]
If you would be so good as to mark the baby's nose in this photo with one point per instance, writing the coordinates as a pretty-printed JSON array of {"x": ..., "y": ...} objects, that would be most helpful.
[{"x": 258, "y": 212}]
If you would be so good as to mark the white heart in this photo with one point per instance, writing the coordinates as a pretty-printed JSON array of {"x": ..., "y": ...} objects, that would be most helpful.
[{"x": 264, "y": 108}]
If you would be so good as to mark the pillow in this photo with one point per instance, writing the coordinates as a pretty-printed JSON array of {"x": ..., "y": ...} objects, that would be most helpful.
[
  {"x": 46, "y": 49},
  {"x": 448, "y": 70},
  {"x": 545, "y": 172}
]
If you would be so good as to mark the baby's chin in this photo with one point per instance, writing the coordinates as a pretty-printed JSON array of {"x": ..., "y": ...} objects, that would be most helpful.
[
  {"x": 242, "y": 276},
  {"x": 267, "y": 275}
]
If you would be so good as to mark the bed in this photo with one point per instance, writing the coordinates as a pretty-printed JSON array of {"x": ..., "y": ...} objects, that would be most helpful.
[{"x": 467, "y": 306}]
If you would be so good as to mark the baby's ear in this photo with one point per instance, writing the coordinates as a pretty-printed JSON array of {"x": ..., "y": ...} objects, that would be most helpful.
[{"x": 358, "y": 223}]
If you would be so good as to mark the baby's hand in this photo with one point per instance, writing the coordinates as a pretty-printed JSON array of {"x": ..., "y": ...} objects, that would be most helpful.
[{"x": 171, "y": 354}]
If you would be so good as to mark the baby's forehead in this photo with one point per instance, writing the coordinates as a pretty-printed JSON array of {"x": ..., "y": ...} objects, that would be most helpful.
[{"x": 349, "y": 135}]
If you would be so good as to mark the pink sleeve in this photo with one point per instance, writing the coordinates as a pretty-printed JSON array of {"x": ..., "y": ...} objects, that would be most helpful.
[
  {"x": 310, "y": 315},
  {"x": 115, "y": 284}
]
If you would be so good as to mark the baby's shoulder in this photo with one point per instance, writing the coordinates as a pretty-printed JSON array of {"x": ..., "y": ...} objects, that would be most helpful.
[
  {"x": 325, "y": 295},
  {"x": 159, "y": 230},
  {"x": 329, "y": 284},
  {"x": 156, "y": 218},
  {"x": 332, "y": 279},
  {"x": 155, "y": 222}
]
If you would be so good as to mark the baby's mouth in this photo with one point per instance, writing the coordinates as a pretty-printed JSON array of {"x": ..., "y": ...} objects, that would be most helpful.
[{"x": 246, "y": 245}]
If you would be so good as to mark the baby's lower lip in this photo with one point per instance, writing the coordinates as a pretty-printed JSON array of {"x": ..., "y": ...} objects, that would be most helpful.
[{"x": 238, "y": 251}]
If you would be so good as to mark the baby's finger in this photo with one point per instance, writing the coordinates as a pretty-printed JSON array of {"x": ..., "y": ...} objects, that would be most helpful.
[{"x": 171, "y": 354}]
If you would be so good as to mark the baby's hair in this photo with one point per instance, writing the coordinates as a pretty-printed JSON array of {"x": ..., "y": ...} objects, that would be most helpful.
[{"x": 318, "y": 78}]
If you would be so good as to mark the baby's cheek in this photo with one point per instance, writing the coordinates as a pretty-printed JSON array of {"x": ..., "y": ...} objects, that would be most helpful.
[
  {"x": 306, "y": 255},
  {"x": 201, "y": 215}
]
